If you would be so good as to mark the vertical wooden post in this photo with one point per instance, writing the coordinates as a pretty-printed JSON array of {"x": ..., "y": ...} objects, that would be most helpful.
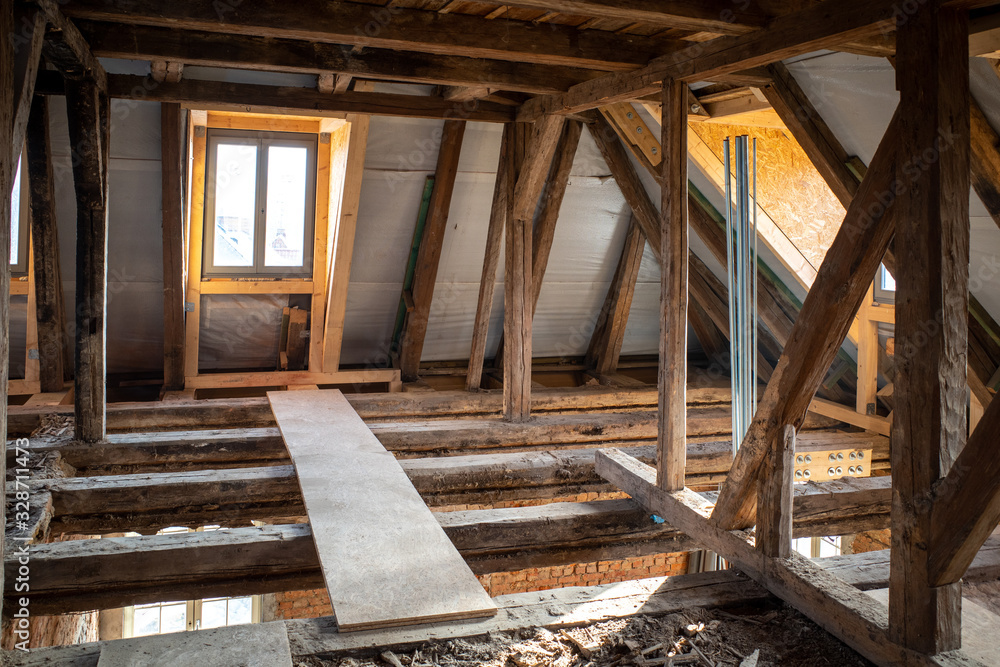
[
  {"x": 503, "y": 192},
  {"x": 88, "y": 113},
  {"x": 192, "y": 323},
  {"x": 173, "y": 245},
  {"x": 867, "y": 357},
  {"x": 932, "y": 277},
  {"x": 7, "y": 169},
  {"x": 429, "y": 254},
  {"x": 672, "y": 440},
  {"x": 49, "y": 306},
  {"x": 774, "y": 502},
  {"x": 518, "y": 292}
]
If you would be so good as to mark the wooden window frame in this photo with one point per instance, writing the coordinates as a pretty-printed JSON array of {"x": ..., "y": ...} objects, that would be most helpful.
[{"x": 263, "y": 140}]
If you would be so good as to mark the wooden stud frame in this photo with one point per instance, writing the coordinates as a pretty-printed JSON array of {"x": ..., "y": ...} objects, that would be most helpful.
[{"x": 333, "y": 186}]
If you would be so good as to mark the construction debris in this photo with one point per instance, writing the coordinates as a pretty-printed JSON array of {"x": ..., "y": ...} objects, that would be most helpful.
[{"x": 744, "y": 637}]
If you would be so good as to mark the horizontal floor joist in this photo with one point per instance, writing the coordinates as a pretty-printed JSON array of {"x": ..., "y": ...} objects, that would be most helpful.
[
  {"x": 232, "y": 497},
  {"x": 112, "y": 572},
  {"x": 255, "y": 412},
  {"x": 137, "y": 452}
]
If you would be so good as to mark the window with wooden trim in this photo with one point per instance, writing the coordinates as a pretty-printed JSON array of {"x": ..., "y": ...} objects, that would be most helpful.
[
  {"x": 157, "y": 618},
  {"x": 260, "y": 203},
  {"x": 19, "y": 221},
  {"x": 885, "y": 286}
]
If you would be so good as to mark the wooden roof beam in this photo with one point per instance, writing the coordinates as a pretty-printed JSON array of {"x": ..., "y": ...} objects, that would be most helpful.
[
  {"x": 717, "y": 16},
  {"x": 356, "y": 24},
  {"x": 823, "y": 25}
]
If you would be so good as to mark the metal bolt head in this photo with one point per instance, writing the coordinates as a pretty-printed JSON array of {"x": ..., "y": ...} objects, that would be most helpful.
[{"x": 630, "y": 115}]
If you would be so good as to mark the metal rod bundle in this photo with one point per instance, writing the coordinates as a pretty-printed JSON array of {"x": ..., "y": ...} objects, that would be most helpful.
[{"x": 741, "y": 267}]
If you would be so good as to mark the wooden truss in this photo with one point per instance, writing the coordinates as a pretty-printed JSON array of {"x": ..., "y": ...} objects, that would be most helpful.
[{"x": 935, "y": 474}]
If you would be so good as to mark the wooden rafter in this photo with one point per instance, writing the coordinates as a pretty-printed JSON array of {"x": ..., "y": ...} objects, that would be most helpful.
[
  {"x": 502, "y": 191},
  {"x": 28, "y": 60},
  {"x": 609, "y": 334},
  {"x": 390, "y": 28},
  {"x": 715, "y": 16},
  {"x": 843, "y": 280},
  {"x": 548, "y": 215},
  {"x": 47, "y": 276},
  {"x": 429, "y": 254},
  {"x": 818, "y": 26}
]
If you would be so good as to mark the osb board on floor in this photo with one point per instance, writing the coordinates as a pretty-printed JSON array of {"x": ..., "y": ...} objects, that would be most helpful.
[
  {"x": 385, "y": 558},
  {"x": 259, "y": 645},
  {"x": 788, "y": 186}
]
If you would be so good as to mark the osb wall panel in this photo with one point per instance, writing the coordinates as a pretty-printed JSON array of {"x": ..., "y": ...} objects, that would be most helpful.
[{"x": 788, "y": 186}]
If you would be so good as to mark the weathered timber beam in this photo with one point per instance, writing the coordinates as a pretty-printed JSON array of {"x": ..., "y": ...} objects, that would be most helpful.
[
  {"x": 28, "y": 54},
  {"x": 66, "y": 49},
  {"x": 858, "y": 620},
  {"x": 932, "y": 285},
  {"x": 250, "y": 412},
  {"x": 715, "y": 16},
  {"x": 518, "y": 272},
  {"x": 123, "y": 571},
  {"x": 429, "y": 252},
  {"x": 221, "y": 95},
  {"x": 775, "y": 497},
  {"x": 146, "y": 502},
  {"x": 218, "y": 49},
  {"x": 843, "y": 281},
  {"x": 503, "y": 191},
  {"x": 49, "y": 310},
  {"x": 173, "y": 169},
  {"x": 90, "y": 133},
  {"x": 674, "y": 252},
  {"x": 390, "y": 28},
  {"x": 819, "y": 26},
  {"x": 609, "y": 333},
  {"x": 966, "y": 506}
]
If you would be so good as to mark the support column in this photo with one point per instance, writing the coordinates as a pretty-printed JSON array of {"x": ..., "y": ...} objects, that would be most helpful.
[
  {"x": 932, "y": 276},
  {"x": 49, "y": 304},
  {"x": 173, "y": 245},
  {"x": 7, "y": 168},
  {"x": 672, "y": 439},
  {"x": 88, "y": 113},
  {"x": 774, "y": 503}
]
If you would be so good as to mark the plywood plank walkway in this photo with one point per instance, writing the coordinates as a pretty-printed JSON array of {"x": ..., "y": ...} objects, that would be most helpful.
[{"x": 385, "y": 558}]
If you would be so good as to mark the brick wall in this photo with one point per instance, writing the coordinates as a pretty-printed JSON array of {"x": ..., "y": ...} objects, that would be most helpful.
[{"x": 311, "y": 604}]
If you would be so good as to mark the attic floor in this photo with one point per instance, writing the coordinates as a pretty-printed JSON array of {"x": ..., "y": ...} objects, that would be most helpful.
[{"x": 729, "y": 637}]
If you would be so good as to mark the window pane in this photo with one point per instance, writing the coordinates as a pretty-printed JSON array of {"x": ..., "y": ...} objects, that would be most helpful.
[
  {"x": 235, "y": 204},
  {"x": 240, "y": 611},
  {"x": 286, "y": 206},
  {"x": 15, "y": 215},
  {"x": 173, "y": 618},
  {"x": 213, "y": 613},
  {"x": 888, "y": 282},
  {"x": 146, "y": 621}
]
